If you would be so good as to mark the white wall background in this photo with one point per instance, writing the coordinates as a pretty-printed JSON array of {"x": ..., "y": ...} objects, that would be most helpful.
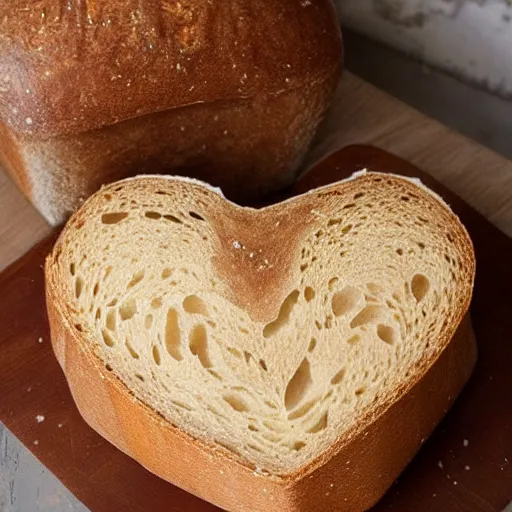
[{"x": 470, "y": 38}]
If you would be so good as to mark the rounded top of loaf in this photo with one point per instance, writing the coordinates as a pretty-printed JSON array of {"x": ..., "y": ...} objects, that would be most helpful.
[{"x": 72, "y": 66}]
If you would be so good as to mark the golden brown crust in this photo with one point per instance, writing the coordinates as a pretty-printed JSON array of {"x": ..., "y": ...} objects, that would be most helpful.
[
  {"x": 248, "y": 148},
  {"x": 350, "y": 476},
  {"x": 230, "y": 92},
  {"x": 72, "y": 66}
]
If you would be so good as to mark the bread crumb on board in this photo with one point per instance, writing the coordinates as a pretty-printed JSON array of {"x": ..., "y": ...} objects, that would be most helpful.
[
  {"x": 40, "y": 340},
  {"x": 39, "y": 418},
  {"x": 36, "y": 442},
  {"x": 465, "y": 443}
]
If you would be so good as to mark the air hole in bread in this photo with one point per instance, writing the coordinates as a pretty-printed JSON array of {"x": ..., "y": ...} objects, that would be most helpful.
[
  {"x": 166, "y": 272},
  {"x": 318, "y": 325},
  {"x": 79, "y": 286},
  {"x": 320, "y": 425},
  {"x": 196, "y": 216},
  {"x": 128, "y": 309},
  {"x": 198, "y": 344},
  {"x": 236, "y": 402},
  {"x": 332, "y": 283},
  {"x": 346, "y": 229},
  {"x": 284, "y": 315},
  {"x": 309, "y": 293},
  {"x": 272, "y": 437},
  {"x": 72, "y": 269},
  {"x": 213, "y": 373},
  {"x": 156, "y": 303},
  {"x": 369, "y": 314},
  {"x": 181, "y": 405},
  {"x": 79, "y": 327},
  {"x": 173, "y": 218},
  {"x": 386, "y": 334},
  {"x": 107, "y": 339},
  {"x": 271, "y": 405},
  {"x": 304, "y": 267},
  {"x": 263, "y": 365},
  {"x": 136, "y": 279},
  {"x": 400, "y": 252},
  {"x": 374, "y": 288},
  {"x": 334, "y": 222},
  {"x": 312, "y": 345},
  {"x": 328, "y": 322},
  {"x": 359, "y": 195},
  {"x": 153, "y": 215},
  {"x": 302, "y": 410},
  {"x": 110, "y": 322},
  {"x": 96, "y": 289},
  {"x": 346, "y": 300},
  {"x": 354, "y": 340},
  {"x": 253, "y": 428},
  {"x": 97, "y": 316},
  {"x": 420, "y": 286},
  {"x": 338, "y": 377},
  {"x": 131, "y": 350},
  {"x": 247, "y": 356},
  {"x": 173, "y": 335},
  {"x": 216, "y": 412},
  {"x": 156, "y": 355},
  {"x": 298, "y": 386},
  {"x": 235, "y": 352},
  {"x": 349, "y": 205},
  {"x": 113, "y": 218},
  {"x": 360, "y": 391},
  {"x": 194, "y": 305},
  {"x": 148, "y": 321},
  {"x": 298, "y": 445}
]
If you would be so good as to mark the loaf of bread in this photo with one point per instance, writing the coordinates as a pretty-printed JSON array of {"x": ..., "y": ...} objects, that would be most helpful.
[
  {"x": 291, "y": 358},
  {"x": 229, "y": 91}
]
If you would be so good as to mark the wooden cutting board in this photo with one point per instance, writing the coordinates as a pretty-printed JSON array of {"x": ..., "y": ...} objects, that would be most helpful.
[{"x": 465, "y": 466}]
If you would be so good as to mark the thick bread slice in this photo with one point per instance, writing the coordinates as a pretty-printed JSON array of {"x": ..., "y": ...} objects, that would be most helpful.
[{"x": 297, "y": 354}]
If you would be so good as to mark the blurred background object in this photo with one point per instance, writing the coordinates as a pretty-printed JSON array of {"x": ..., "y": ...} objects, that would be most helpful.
[{"x": 448, "y": 58}]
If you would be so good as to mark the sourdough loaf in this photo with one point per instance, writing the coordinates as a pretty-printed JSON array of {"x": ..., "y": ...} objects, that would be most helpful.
[
  {"x": 291, "y": 358},
  {"x": 229, "y": 91}
]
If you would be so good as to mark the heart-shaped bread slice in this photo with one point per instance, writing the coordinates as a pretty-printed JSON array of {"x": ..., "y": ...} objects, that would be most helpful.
[{"x": 273, "y": 338}]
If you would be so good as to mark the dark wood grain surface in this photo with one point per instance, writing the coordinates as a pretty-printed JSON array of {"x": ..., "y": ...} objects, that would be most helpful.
[{"x": 464, "y": 467}]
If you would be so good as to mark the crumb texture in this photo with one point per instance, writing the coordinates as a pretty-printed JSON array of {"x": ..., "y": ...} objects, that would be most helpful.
[{"x": 373, "y": 275}]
